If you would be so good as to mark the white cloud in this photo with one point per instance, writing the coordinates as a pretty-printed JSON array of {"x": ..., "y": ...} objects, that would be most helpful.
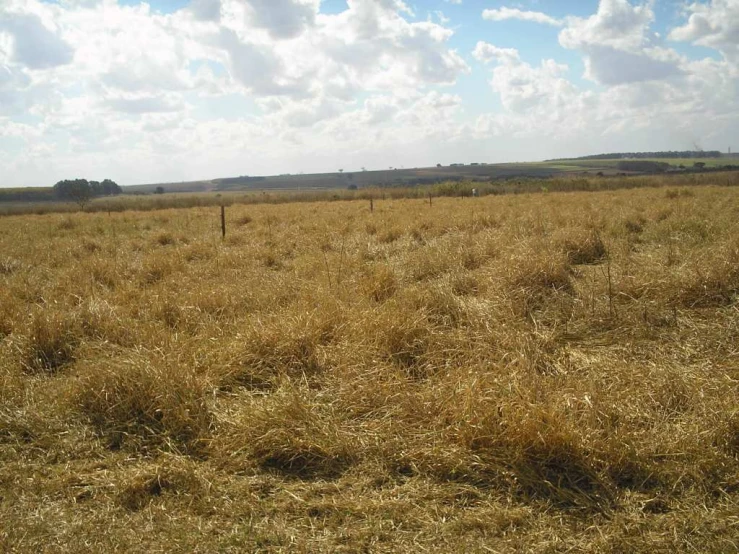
[
  {"x": 617, "y": 45},
  {"x": 443, "y": 20},
  {"x": 235, "y": 86},
  {"x": 282, "y": 18},
  {"x": 617, "y": 24},
  {"x": 145, "y": 104},
  {"x": 34, "y": 45},
  {"x": 206, "y": 10},
  {"x": 504, "y": 13},
  {"x": 610, "y": 66},
  {"x": 126, "y": 82},
  {"x": 651, "y": 92},
  {"x": 714, "y": 25},
  {"x": 486, "y": 53}
]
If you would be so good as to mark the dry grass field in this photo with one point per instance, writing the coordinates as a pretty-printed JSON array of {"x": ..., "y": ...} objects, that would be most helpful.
[{"x": 552, "y": 372}]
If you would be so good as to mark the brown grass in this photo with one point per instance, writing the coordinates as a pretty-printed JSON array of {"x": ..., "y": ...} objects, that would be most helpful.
[
  {"x": 128, "y": 404},
  {"x": 543, "y": 372}
]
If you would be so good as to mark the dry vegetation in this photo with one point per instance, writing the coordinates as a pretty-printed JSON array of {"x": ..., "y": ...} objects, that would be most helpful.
[{"x": 547, "y": 372}]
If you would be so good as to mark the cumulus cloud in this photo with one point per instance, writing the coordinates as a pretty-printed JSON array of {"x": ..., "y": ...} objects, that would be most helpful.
[
  {"x": 257, "y": 86},
  {"x": 610, "y": 66},
  {"x": 34, "y": 45},
  {"x": 145, "y": 104},
  {"x": 542, "y": 89},
  {"x": 206, "y": 10},
  {"x": 504, "y": 13},
  {"x": 617, "y": 24},
  {"x": 714, "y": 25},
  {"x": 283, "y": 18},
  {"x": 616, "y": 44},
  {"x": 13, "y": 90},
  {"x": 486, "y": 53},
  {"x": 100, "y": 76}
]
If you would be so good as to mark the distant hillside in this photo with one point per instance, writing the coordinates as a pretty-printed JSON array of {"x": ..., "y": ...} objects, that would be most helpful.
[
  {"x": 391, "y": 177},
  {"x": 599, "y": 164}
]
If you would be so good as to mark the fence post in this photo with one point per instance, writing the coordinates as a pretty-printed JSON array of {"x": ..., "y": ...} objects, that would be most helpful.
[
  {"x": 372, "y": 205},
  {"x": 223, "y": 220}
]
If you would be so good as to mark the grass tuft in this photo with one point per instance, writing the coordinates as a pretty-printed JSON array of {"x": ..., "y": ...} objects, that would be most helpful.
[
  {"x": 582, "y": 246},
  {"x": 283, "y": 348},
  {"x": 295, "y": 437},
  {"x": 8, "y": 266},
  {"x": 51, "y": 342},
  {"x": 381, "y": 283},
  {"x": 165, "y": 238},
  {"x": 712, "y": 282},
  {"x": 127, "y": 405}
]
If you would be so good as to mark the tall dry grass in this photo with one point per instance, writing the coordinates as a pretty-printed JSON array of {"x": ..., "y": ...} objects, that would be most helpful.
[{"x": 533, "y": 372}]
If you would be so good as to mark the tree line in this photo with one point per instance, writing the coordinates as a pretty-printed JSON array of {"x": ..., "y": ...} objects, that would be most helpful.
[
  {"x": 82, "y": 191},
  {"x": 639, "y": 155}
]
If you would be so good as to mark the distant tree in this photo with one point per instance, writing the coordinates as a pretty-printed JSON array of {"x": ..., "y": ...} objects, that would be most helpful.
[
  {"x": 159, "y": 190},
  {"x": 699, "y": 165},
  {"x": 82, "y": 191},
  {"x": 352, "y": 187},
  {"x": 341, "y": 171},
  {"x": 77, "y": 191},
  {"x": 438, "y": 165},
  {"x": 110, "y": 188}
]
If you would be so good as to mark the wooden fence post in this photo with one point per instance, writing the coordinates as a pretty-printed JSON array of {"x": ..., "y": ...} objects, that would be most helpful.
[{"x": 223, "y": 220}]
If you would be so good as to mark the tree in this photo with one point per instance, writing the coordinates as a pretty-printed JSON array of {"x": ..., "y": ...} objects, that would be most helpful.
[
  {"x": 82, "y": 191},
  {"x": 110, "y": 188},
  {"x": 159, "y": 190},
  {"x": 77, "y": 191}
]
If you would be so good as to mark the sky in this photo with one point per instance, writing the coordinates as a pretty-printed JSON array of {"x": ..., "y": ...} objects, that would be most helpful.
[{"x": 181, "y": 90}]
